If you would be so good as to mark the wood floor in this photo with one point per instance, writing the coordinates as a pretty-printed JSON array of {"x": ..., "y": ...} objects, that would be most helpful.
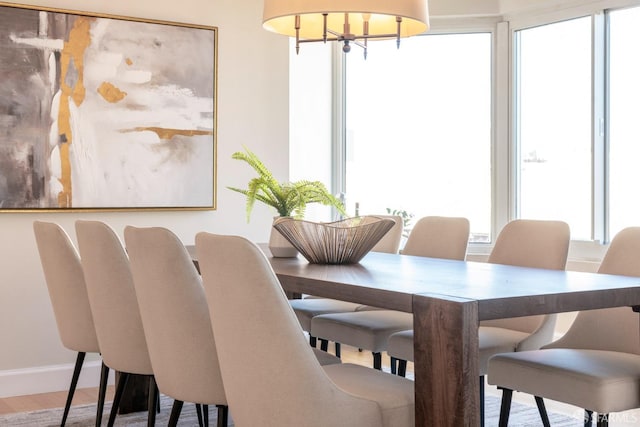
[
  {"x": 90, "y": 395},
  {"x": 57, "y": 399}
]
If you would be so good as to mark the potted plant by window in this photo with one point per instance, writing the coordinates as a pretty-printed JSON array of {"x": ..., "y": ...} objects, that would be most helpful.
[{"x": 289, "y": 199}]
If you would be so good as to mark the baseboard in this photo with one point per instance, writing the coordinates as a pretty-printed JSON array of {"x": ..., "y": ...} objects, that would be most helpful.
[{"x": 47, "y": 379}]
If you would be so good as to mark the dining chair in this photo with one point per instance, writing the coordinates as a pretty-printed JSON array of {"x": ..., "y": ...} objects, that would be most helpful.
[
  {"x": 307, "y": 308},
  {"x": 595, "y": 365},
  {"x": 176, "y": 322},
  {"x": 68, "y": 294},
  {"x": 369, "y": 328},
  {"x": 282, "y": 383},
  {"x": 115, "y": 311},
  {"x": 525, "y": 243}
]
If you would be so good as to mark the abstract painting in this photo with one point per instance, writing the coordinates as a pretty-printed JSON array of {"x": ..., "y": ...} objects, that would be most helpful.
[{"x": 104, "y": 112}]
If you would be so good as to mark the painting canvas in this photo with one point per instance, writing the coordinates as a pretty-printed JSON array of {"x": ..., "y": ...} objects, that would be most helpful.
[{"x": 103, "y": 112}]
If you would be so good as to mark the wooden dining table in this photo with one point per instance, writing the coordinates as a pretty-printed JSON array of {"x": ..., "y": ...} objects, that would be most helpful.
[{"x": 448, "y": 299}]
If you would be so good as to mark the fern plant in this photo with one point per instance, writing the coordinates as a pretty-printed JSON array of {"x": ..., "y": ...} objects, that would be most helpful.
[{"x": 288, "y": 198}]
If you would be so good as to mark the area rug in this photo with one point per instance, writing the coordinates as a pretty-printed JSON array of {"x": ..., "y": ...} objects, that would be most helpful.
[{"x": 84, "y": 416}]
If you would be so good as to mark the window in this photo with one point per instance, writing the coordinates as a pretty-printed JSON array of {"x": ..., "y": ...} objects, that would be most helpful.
[
  {"x": 624, "y": 119},
  {"x": 553, "y": 122},
  {"x": 576, "y": 126},
  {"x": 536, "y": 118},
  {"x": 418, "y": 128}
]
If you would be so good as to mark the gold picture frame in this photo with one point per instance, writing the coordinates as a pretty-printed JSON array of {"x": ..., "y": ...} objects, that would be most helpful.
[{"x": 102, "y": 112}]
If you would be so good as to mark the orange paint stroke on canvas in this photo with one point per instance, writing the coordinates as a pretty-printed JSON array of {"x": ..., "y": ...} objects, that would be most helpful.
[
  {"x": 167, "y": 133},
  {"x": 72, "y": 89},
  {"x": 111, "y": 93}
]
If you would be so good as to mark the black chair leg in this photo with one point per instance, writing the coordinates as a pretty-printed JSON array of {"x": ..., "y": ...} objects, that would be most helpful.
[
  {"x": 505, "y": 407},
  {"x": 175, "y": 413},
  {"x": 338, "y": 350},
  {"x": 324, "y": 344},
  {"x": 313, "y": 341},
  {"x": 588, "y": 418},
  {"x": 223, "y": 415},
  {"x": 205, "y": 415},
  {"x": 152, "y": 402},
  {"x": 394, "y": 365},
  {"x": 122, "y": 383},
  {"x": 72, "y": 387},
  {"x": 102, "y": 393},
  {"x": 199, "y": 413},
  {"x": 603, "y": 420},
  {"x": 377, "y": 361},
  {"x": 481, "y": 400},
  {"x": 402, "y": 368},
  {"x": 543, "y": 411}
]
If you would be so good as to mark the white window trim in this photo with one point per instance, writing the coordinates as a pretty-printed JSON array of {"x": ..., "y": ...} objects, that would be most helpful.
[{"x": 504, "y": 156}]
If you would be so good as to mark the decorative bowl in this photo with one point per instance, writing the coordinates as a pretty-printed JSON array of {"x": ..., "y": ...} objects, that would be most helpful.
[{"x": 340, "y": 242}]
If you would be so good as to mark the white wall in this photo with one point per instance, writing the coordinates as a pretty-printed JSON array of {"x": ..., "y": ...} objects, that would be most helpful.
[
  {"x": 464, "y": 7},
  {"x": 252, "y": 111}
]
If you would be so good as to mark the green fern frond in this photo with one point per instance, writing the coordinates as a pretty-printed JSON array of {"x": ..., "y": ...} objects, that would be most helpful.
[{"x": 288, "y": 199}]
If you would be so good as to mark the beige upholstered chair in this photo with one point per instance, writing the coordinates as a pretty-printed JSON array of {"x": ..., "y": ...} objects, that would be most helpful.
[
  {"x": 432, "y": 236},
  {"x": 283, "y": 384},
  {"x": 68, "y": 294},
  {"x": 114, "y": 308},
  {"x": 526, "y": 243},
  {"x": 176, "y": 321},
  {"x": 595, "y": 365},
  {"x": 307, "y": 308}
]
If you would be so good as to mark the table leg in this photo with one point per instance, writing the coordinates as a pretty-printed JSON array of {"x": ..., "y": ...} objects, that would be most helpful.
[{"x": 446, "y": 361}]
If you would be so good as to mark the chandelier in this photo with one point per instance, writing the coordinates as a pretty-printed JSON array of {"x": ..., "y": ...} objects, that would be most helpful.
[{"x": 349, "y": 22}]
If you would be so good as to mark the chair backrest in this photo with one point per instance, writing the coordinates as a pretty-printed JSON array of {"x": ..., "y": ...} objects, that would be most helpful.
[
  {"x": 112, "y": 298},
  {"x": 532, "y": 243},
  {"x": 535, "y": 244},
  {"x": 390, "y": 242},
  {"x": 67, "y": 290},
  {"x": 438, "y": 237},
  {"x": 175, "y": 316},
  {"x": 613, "y": 329},
  {"x": 282, "y": 383}
]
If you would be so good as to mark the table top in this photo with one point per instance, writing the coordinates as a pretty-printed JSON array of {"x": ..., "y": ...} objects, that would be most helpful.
[{"x": 390, "y": 281}]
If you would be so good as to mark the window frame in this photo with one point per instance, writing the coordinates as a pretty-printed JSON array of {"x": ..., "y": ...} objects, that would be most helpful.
[
  {"x": 598, "y": 11},
  {"x": 504, "y": 159},
  {"x": 439, "y": 26}
]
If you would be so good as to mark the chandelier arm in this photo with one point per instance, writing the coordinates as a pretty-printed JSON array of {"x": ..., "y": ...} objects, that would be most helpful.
[
  {"x": 329, "y": 39},
  {"x": 324, "y": 27},
  {"x": 297, "y": 23},
  {"x": 362, "y": 45},
  {"x": 374, "y": 36},
  {"x": 347, "y": 37},
  {"x": 365, "y": 32}
]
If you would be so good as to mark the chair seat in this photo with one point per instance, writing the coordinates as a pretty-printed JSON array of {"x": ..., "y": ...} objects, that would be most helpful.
[
  {"x": 400, "y": 345},
  {"x": 325, "y": 358},
  {"x": 494, "y": 340},
  {"x": 597, "y": 380},
  {"x": 362, "y": 329},
  {"x": 308, "y": 308},
  {"x": 394, "y": 394}
]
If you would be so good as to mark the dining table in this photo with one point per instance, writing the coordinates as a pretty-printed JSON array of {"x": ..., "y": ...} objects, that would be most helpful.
[{"x": 449, "y": 299}]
